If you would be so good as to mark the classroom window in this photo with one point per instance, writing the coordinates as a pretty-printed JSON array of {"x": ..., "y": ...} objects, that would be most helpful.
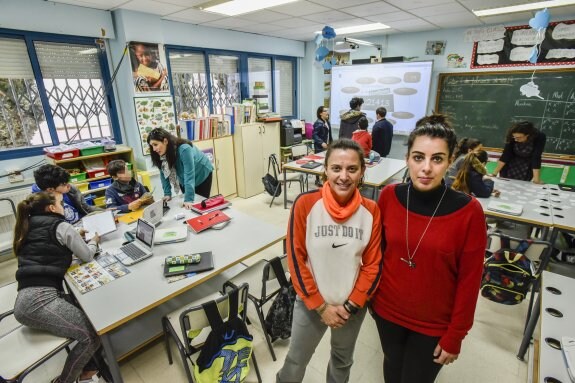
[
  {"x": 21, "y": 113},
  {"x": 260, "y": 83},
  {"x": 225, "y": 82},
  {"x": 284, "y": 87},
  {"x": 52, "y": 91},
  {"x": 190, "y": 83}
]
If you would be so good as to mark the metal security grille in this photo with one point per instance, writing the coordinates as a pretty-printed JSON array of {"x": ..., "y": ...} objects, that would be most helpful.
[
  {"x": 225, "y": 81},
  {"x": 74, "y": 89},
  {"x": 191, "y": 93},
  {"x": 21, "y": 115}
]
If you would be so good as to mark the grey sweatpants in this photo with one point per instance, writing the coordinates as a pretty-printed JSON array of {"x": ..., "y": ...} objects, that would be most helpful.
[
  {"x": 41, "y": 308},
  {"x": 306, "y": 333}
]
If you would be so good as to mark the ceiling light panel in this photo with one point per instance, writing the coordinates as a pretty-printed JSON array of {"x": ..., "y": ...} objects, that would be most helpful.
[
  {"x": 523, "y": 7},
  {"x": 239, "y": 7}
]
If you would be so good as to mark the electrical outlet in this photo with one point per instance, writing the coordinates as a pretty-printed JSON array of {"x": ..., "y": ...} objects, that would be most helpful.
[{"x": 16, "y": 177}]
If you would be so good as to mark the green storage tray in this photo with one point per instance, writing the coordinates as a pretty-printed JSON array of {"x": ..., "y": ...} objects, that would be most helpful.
[
  {"x": 92, "y": 150},
  {"x": 78, "y": 177}
]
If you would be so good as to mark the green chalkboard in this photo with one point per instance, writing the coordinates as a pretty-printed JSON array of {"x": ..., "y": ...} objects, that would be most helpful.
[{"x": 483, "y": 105}]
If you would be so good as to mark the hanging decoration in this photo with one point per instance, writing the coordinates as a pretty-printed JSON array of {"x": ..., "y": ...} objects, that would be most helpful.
[
  {"x": 539, "y": 22},
  {"x": 322, "y": 40}
]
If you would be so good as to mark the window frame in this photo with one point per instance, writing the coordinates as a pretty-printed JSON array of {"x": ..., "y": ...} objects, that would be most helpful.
[
  {"x": 29, "y": 38},
  {"x": 243, "y": 71}
]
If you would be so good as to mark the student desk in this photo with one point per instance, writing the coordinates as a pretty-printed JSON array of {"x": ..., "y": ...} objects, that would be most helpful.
[
  {"x": 126, "y": 312},
  {"x": 375, "y": 176}
]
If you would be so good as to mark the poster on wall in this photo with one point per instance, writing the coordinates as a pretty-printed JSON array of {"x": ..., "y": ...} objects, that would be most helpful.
[
  {"x": 148, "y": 72},
  {"x": 401, "y": 87},
  {"x": 154, "y": 112},
  {"x": 516, "y": 47},
  {"x": 435, "y": 47}
]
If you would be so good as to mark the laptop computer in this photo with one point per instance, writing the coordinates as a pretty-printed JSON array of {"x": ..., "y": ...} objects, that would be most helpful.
[
  {"x": 505, "y": 207},
  {"x": 153, "y": 213},
  {"x": 140, "y": 248},
  {"x": 171, "y": 235}
]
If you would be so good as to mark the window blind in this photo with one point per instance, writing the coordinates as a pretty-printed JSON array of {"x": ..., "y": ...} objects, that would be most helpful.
[
  {"x": 260, "y": 70},
  {"x": 14, "y": 60},
  {"x": 224, "y": 64},
  {"x": 187, "y": 62},
  {"x": 67, "y": 61},
  {"x": 284, "y": 87}
]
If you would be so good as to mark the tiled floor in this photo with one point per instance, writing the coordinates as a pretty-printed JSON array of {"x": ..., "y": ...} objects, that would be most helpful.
[{"x": 488, "y": 353}]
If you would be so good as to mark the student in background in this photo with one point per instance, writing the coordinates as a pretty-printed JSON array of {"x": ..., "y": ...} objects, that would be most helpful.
[
  {"x": 52, "y": 178},
  {"x": 125, "y": 193},
  {"x": 44, "y": 244},
  {"x": 521, "y": 157},
  {"x": 349, "y": 119},
  {"x": 472, "y": 177},
  {"x": 321, "y": 134},
  {"x": 466, "y": 145},
  {"x": 362, "y": 136},
  {"x": 182, "y": 166},
  {"x": 334, "y": 257},
  {"x": 433, "y": 245},
  {"x": 382, "y": 133}
]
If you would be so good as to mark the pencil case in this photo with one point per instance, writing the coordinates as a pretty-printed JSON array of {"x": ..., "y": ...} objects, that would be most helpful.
[{"x": 183, "y": 259}]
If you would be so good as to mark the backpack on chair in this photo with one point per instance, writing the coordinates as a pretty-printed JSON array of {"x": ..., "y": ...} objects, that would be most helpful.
[
  {"x": 271, "y": 182},
  {"x": 507, "y": 274}
]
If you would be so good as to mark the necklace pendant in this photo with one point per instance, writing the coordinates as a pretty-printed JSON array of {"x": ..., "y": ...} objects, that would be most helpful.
[{"x": 409, "y": 262}]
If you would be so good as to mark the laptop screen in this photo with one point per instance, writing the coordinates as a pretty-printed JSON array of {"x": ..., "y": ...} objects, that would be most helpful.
[
  {"x": 154, "y": 212},
  {"x": 145, "y": 232}
]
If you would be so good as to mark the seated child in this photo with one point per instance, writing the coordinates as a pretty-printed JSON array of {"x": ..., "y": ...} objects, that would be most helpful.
[
  {"x": 362, "y": 136},
  {"x": 125, "y": 193},
  {"x": 52, "y": 178},
  {"x": 472, "y": 177}
]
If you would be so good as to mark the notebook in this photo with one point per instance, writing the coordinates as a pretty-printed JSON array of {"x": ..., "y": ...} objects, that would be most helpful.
[
  {"x": 203, "y": 222},
  {"x": 131, "y": 217},
  {"x": 140, "y": 248},
  {"x": 207, "y": 263},
  {"x": 101, "y": 223},
  {"x": 171, "y": 235},
  {"x": 197, "y": 207},
  {"x": 153, "y": 213},
  {"x": 505, "y": 207}
]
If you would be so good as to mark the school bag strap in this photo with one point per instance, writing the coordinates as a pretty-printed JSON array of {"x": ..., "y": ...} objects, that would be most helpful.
[
  {"x": 279, "y": 272},
  {"x": 213, "y": 314}
]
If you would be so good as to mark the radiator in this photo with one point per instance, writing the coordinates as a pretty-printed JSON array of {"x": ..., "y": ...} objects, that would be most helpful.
[{"x": 7, "y": 218}]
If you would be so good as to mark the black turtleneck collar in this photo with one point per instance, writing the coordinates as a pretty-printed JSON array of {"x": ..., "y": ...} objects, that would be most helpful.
[{"x": 424, "y": 203}]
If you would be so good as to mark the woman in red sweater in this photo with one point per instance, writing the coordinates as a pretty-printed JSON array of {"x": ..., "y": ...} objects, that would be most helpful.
[{"x": 433, "y": 243}]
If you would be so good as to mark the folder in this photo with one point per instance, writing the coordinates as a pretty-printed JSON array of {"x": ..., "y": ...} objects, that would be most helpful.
[{"x": 203, "y": 222}]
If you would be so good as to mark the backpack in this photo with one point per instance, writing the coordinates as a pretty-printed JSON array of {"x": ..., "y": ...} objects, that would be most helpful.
[
  {"x": 271, "y": 182},
  {"x": 280, "y": 315},
  {"x": 507, "y": 274},
  {"x": 225, "y": 354}
]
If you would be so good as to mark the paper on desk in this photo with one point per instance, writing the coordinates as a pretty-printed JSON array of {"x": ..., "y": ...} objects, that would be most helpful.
[{"x": 101, "y": 223}]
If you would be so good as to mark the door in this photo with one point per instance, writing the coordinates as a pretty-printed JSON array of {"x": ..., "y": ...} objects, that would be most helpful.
[
  {"x": 224, "y": 148},
  {"x": 207, "y": 146}
]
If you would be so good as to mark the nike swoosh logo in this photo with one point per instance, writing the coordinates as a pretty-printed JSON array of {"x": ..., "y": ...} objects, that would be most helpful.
[{"x": 333, "y": 245}]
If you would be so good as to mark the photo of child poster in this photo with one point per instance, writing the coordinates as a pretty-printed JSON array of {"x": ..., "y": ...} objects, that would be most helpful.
[
  {"x": 149, "y": 74},
  {"x": 435, "y": 47}
]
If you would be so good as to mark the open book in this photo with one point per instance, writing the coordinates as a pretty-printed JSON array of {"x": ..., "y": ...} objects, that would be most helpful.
[{"x": 89, "y": 276}]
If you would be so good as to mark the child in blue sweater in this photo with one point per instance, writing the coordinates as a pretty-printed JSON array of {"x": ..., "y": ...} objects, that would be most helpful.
[{"x": 126, "y": 194}]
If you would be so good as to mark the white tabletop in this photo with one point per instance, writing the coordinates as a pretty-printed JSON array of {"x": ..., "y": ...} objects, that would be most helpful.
[
  {"x": 145, "y": 287},
  {"x": 563, "y": 208},
  {"x": 375, "y": 176},
  {"x": 534, "y": 199},
  {"x": 551, "y": 363}
]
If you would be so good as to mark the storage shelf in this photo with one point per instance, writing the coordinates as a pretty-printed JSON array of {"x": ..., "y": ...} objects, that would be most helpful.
[
  {"x": 119, "y": 150},
  {"x": 89, "y": 191}
]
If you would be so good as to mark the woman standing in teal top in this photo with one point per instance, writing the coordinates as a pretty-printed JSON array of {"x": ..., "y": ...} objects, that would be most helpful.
[{"x": 181, "y": 164}]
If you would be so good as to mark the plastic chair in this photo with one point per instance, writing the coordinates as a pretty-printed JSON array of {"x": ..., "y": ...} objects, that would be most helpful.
[
  {"x": 22, "y": 349},
  {"x": 193, "y": 319},
  {"x": 264, "y": 287},
  {"x": 289, "y": 178},
  {"x": 7, "y": 237}
]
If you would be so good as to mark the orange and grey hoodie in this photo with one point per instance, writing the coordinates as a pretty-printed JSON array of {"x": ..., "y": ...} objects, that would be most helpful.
[{"x": 334, "y": 252}]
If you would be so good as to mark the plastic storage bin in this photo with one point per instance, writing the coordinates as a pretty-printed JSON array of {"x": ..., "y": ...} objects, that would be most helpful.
[
  {"x": 100, "y": 172},
  {"x": 83, "y": 187},
  {"x": 92, "y": 150},
  {"x": 100, "y": 201},
  {"x": 89, "y": 199},
  {"x": 64, "y": 155},
  {"x": 78, "y": 177},
  {"x": 100, "y": 183}
]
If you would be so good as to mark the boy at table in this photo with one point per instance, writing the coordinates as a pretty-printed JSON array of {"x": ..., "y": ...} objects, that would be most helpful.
[{"x": 126, "y": 194}]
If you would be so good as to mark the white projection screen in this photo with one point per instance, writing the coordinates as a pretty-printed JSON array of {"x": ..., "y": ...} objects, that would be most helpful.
[{"x": 402, "y": 88}]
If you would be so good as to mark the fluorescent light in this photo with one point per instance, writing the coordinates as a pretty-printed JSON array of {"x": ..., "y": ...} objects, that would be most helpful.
[
  {"x": 523, "y": 7},
  {"x": 238, "y": 7},
  {"x": 360, "y": 28}
]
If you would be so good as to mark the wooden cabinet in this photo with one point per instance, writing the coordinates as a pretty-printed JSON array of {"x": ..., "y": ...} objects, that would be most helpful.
[
  {"x": 86, "y": 185},
  {"x": 221, "y": 153},
  {"x": 253, "y": 145}
]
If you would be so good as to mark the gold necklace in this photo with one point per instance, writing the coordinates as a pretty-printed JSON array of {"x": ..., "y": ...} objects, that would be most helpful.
[{"x": 409, "y": 259}]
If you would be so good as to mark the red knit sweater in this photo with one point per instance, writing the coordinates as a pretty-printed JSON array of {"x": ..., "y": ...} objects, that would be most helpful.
[
  {"x": 438, "y": 296},
  {"x": 363, "y": 138}
]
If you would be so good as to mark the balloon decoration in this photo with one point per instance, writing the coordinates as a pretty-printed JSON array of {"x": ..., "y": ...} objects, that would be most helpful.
[
  {"x": 539, "y": 22},
  {"x": 322, "y": 40}
]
